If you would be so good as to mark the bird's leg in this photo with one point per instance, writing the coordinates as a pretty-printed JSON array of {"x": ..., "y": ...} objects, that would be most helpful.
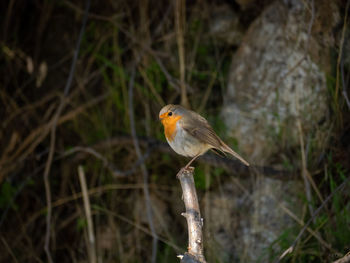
[{"x": 188, "y": 165}]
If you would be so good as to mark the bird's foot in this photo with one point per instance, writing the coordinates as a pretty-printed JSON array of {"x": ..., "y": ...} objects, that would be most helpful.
[{"x": 188, "y": 169}]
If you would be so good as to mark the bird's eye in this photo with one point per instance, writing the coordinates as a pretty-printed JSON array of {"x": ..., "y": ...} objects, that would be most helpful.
[{"x": 170, "y": 113}]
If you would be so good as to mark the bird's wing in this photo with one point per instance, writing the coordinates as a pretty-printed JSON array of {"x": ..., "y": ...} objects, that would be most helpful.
[{"x": 199, "y": 128}]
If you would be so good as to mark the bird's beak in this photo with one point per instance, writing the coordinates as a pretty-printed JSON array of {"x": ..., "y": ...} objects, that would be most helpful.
[{"x": 162, "y": 116}]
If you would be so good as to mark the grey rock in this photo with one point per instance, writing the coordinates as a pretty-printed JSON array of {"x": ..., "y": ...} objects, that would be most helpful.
[{"x": 277, "y": 76}]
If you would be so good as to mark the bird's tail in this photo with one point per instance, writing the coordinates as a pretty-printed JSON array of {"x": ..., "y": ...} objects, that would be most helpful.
[{"x": 226, "y": 148}]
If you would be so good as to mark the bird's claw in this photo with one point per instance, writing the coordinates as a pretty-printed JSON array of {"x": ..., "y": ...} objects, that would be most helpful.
[{"x": 185, "y": 169}]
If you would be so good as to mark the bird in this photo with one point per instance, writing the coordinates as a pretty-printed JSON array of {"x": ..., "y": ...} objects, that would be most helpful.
[{"x": 189, "y": 134}]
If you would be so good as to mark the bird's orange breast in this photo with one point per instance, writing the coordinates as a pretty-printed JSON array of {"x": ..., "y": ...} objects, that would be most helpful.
[{"x": 169, "y": 123}]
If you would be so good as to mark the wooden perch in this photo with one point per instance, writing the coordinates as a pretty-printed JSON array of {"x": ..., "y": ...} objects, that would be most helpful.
[{"x": 193, "y": 217}]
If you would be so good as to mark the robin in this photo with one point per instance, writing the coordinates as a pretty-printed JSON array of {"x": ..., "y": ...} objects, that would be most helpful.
[{"x": 189, "y": 134}]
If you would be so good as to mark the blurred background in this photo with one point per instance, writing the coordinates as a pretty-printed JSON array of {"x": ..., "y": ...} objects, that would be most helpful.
[{"x": 84, "y": 89}]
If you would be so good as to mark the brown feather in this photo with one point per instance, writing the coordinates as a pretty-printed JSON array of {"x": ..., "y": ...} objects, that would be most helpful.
[
  {"x": 199, "y": 128},
  {"x": 227, "y": 149}
]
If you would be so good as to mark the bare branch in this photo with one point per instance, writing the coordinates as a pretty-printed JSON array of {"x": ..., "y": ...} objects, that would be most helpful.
[{"x": 193, "y": 217}]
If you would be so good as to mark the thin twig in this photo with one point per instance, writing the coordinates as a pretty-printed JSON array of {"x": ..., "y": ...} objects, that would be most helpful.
[
  {"x": 180, "y": 22},
  {"x": 304, "y": 168},
  {"x": 53, "y": 137},
  {"x": 344, "y": 84},
  {"x": 9, "y": 249},
  {"x": 148, "y": 201},
  {"x": 341, "y": 50},
  {"x": 87, "y": 208}
]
